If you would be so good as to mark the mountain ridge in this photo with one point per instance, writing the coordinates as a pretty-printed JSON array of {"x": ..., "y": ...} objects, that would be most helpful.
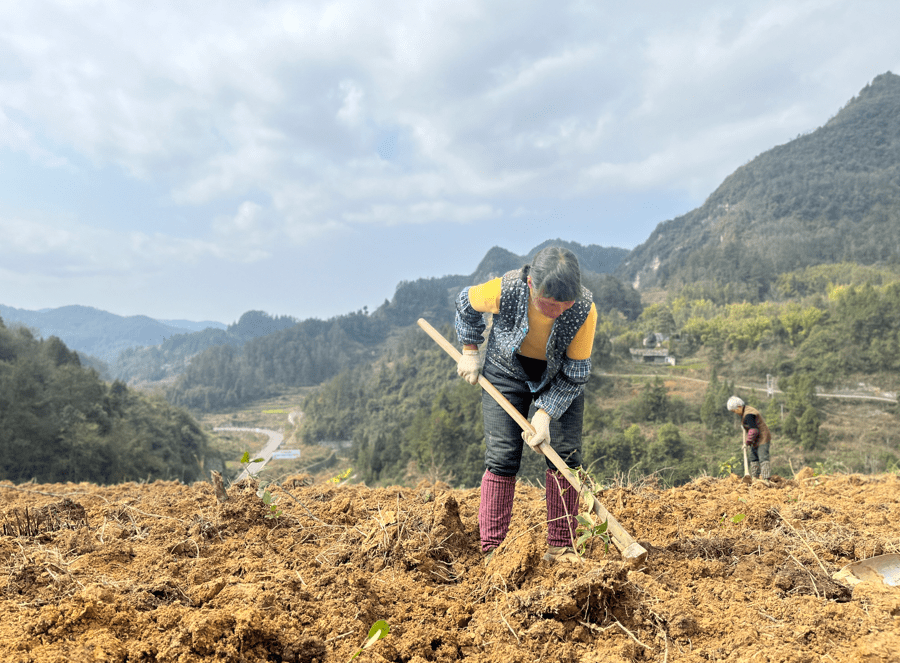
[{"x": 827, "y": 196}]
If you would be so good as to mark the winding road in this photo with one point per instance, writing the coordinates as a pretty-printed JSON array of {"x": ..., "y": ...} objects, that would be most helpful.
[{"x": 275, "y": 440}]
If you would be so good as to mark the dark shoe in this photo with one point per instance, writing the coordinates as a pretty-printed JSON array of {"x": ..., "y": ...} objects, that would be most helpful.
[{"x": 562, "y": 554}]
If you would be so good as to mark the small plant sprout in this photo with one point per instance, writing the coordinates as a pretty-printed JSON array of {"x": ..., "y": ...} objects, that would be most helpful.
[
  {"x": 270, "y": 501},
  {"x": 735, "y": 519},
  {"x": 262, "y": 491},
  {"x": 379, "y": 629},
  {"x": 246, "y": 462},
  {"x": 589, "y": 525},
  {"x": 588, "y": 528}
]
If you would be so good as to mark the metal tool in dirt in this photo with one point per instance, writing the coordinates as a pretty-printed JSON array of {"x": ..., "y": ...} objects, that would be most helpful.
[
  {"x": 633, "y": 552},
  {"x": 883, "y": 568}
]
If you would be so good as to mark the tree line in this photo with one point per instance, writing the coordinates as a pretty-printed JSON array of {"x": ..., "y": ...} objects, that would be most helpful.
[{"x": 409, "y": 416}]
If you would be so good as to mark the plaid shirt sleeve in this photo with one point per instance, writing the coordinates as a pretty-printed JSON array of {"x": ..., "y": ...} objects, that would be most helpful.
[
  {"x": 469, "y": 322},
  {"x": 565, "y": 387}
]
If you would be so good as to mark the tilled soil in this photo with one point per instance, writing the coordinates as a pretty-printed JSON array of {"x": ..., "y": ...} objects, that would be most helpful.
[{"x": 166, "y": 572}]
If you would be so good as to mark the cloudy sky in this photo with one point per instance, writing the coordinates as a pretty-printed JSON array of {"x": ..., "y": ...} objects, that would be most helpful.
[{"x": 200, "y": 159}]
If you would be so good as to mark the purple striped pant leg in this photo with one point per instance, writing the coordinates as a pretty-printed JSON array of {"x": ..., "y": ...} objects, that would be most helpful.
[
  {"x": 562, "y": 507},
  {"x": 495, "y": 510}
]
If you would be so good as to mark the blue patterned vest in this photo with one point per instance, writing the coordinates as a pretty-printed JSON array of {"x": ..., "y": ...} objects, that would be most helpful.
[{"x": 510, "y": 327}]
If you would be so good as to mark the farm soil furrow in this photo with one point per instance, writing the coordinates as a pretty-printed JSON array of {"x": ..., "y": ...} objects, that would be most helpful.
[{"x": 166, "y": 572}]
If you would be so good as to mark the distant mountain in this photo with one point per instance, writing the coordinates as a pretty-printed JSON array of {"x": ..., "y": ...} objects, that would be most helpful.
[
  {"x": 170, "y": 358},
  {"x": 194, "y": 326},
  {"x": 496, "y": 262},
  {"x": 828, "y": 196},
  {"x": 592, "y": 259},
  {"x": 91, "y": 331}
]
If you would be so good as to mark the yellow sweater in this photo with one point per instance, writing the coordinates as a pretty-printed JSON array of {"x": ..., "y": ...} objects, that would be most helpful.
[{"x": 485, "y": 298}]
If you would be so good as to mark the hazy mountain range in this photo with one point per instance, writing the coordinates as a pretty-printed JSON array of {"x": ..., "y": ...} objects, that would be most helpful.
[{"x": 99, "y": 333}]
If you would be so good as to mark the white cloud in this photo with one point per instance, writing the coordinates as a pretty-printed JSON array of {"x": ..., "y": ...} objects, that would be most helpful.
[
  {"x": 440, "y": 211},
  {"x": 244, "y": 236},
  {"x": 17, "y": 138},
  {"x": 263, "y": 125},
  {"x": 697, "y": 162},
  {"x": 351, "y": 110},
  {"x": 63, "y": 247},
  {"x": 491, "y": 101},
  {"x": 24, "y": 236}
]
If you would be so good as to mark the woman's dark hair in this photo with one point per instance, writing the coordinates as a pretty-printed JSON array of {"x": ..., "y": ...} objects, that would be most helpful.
[{"x": 555, "y": 273}]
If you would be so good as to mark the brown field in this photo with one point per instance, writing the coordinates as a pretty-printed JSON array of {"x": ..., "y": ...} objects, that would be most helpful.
[{"x": 165, "y": 572}]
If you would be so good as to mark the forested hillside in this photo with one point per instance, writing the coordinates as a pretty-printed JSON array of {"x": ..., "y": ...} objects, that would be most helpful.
[
  {"x": 60, "y": 422},
  {"x": 410, "y": 416},
  {"x": 312, "y": 351},
  {"x": 829, "y": 196},
  {"x": 305, "y": 354},
  {"x": 169, "y": 358}
]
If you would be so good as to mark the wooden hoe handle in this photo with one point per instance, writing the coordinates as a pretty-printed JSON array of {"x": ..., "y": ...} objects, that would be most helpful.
[
  {"x": 630, "y": 549},
  {"x": 746, "y": 463}
]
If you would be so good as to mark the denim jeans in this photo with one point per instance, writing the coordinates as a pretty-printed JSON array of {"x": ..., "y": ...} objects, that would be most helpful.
[{"x": 503, "y": 436}]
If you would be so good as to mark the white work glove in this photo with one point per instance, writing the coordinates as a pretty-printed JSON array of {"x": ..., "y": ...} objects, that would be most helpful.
[
  {"x": 541, "y": 423},
  {"x": 468, "y": 367}
]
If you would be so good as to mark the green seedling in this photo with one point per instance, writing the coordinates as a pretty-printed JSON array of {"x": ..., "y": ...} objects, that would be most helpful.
[
  {"x": 246, "y": 462},
  {"x": 589, "y": 525},
  {"x": 262, "y": 491},
  {"x": 588, "y": 528},
  {"x": 734, "y": 519},
  {"x": 270, "y": 501},
  {"x": 379, "y": 629}
]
